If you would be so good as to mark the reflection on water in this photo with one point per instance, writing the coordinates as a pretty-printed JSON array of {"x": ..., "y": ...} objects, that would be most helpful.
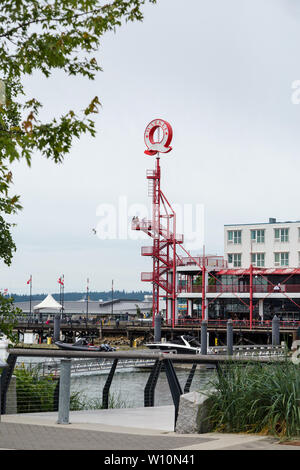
[{"x": 128, "y": 386}]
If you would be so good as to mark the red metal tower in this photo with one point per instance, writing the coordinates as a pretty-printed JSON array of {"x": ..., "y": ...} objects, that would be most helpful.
[{"x": 161, "y": 228}]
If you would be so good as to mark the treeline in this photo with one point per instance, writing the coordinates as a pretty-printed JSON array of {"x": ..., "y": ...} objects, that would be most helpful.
[{"x": 73, "y": 296}]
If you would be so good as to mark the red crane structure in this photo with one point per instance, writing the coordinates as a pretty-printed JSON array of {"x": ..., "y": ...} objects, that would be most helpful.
[{"x": 161, "y": 228}]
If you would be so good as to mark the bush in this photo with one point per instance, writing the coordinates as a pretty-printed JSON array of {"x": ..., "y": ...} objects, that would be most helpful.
[
  {"x": 257, "y": 398},
  {"x": 35, "y": 393}
]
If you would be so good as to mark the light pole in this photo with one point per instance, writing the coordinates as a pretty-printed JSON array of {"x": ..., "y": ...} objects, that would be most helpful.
[
  {"x": 112, "y": 298},
  {"x": 87, "y": 301}
]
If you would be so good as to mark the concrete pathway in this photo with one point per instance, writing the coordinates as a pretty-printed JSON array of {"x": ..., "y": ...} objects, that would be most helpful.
[{"x": 119, "y": 429}]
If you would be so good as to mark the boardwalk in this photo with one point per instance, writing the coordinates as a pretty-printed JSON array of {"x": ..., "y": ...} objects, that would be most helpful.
[{"x": 144, "y": 429}]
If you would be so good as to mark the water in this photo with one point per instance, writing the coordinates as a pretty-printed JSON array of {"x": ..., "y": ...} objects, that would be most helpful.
[{"x": 128, "y": 386}]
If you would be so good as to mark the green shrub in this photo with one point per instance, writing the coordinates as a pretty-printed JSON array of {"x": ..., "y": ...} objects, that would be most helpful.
[
  {"x": 257, "y": 398},
  {"x": 35, "y": 393}
]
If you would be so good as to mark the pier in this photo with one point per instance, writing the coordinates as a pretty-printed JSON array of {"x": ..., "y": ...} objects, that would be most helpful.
[{"x": 260, "y": 333}]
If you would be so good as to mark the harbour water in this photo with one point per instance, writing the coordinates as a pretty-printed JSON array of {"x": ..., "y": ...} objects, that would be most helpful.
[{"x": 127, "y": 387}]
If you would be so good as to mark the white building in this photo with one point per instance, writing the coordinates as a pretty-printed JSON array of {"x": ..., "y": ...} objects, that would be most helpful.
[{"x": 270, "y": 245}]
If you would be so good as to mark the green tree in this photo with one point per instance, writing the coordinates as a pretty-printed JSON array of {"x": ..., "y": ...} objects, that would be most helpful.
[
  {"x": 8, "y": 316},
  {"x": 45, "y": 36}
]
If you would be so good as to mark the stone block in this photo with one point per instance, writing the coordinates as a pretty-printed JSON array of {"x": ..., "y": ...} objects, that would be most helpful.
[{"x": 193, "y": 412}]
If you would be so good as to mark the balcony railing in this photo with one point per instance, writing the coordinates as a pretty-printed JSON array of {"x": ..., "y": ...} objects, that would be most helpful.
[
  {"x": 242, "y": 289},
  {"x": 216, "y": 262},
  {"x": 218, "y": 323}
]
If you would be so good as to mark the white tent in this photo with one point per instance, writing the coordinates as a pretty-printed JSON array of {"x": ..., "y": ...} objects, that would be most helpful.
[{"x": 49, "y": 302}]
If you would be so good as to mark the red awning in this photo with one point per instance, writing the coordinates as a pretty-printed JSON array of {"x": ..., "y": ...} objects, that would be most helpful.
[{"x": 257, "y": 271}]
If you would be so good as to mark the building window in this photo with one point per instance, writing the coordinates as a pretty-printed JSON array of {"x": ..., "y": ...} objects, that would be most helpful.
[
  {"x": 258, "y": 259},
  {"x": 235, "y": 236},
  {"x": 235, "y": 259},
  {"x": 281, "y": 234},
  {"x": 281, "y": 259},
  {"x": 258, "y": 236}
]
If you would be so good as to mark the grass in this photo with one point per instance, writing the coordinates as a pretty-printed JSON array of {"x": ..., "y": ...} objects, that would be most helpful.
[
  {"x": 79, "y": 401},
  {"x": 257, "y": 398},
  {"x": 36, "y": 393}
]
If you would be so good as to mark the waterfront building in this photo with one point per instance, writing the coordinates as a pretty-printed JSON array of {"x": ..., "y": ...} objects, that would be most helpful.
[
  {"x": 258, "y": 277},
  {"x": 264, "y": 245},
  {"x": 122, "y": 309}
]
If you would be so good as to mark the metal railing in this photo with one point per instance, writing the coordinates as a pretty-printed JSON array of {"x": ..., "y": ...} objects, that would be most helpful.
[
  {"x": 87, "y": 366},
  {"x": 244, "y": 323},
  {"x": 240, "y": 289},
  {"x": 57, "y": 394}
]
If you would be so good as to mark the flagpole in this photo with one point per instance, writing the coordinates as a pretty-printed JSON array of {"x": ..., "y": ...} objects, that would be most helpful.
[
  {"x": 112, "y": 297},
  {"x": 60, "y": 298},
  {"x": 30, "y": 294},
  {"x": 63, "y": 292},
  {"x": 87, "y": 301}
]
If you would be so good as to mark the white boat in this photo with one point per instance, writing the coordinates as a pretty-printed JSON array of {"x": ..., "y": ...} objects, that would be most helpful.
[{"x": 184, "y": 344}]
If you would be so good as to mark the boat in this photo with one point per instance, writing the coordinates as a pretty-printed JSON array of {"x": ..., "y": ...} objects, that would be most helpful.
[
  {"x": 184, "y": 344},
  {"x": 82, "y": 344}
]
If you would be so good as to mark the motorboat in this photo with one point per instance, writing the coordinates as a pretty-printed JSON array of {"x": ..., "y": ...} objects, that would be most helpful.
[
  {"x": 184, "y": 344},
  {"x": 82, "y": 344}
]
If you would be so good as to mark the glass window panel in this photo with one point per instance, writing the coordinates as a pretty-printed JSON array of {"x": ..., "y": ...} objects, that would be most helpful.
[
  {"x": 237, "y": 236},
  {"x": 260, "y": 236}
]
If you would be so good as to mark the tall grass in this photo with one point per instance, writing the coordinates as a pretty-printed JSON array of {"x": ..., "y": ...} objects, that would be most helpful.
[
  {"x": 79, "y": 401},
  {"x": 36, "y": 393},
  {"x": 257, "y": 398}
]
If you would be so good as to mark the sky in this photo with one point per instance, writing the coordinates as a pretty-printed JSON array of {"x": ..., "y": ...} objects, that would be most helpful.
[{"x": 224, "y": 75}]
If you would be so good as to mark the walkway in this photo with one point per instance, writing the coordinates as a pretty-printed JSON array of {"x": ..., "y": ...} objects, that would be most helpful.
[{"x": 124, "y": 429}]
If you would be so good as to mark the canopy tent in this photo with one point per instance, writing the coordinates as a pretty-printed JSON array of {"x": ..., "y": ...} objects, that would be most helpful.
[{"x": 49, "y": 302}]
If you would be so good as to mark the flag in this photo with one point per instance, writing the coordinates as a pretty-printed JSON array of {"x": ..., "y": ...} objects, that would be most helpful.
[
  {"x": 60, "y": 281},
  {"x": 29, "y": 280}
]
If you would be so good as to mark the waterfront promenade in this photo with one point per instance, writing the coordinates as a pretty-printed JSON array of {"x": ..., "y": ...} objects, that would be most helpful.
[{"x": 126, "y": 429}]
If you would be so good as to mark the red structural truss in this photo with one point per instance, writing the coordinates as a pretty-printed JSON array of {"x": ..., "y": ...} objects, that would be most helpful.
[{"x": 162, "y": 229}]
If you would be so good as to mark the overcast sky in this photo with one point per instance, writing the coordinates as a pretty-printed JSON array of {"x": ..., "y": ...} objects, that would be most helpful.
[{"x": 221, "y": 72}]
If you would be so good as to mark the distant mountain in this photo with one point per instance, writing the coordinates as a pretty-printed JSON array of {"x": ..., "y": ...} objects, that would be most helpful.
[{"x": 118, "y": 294}]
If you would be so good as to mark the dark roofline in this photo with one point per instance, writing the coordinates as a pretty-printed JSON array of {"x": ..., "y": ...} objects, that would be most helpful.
[{"x": 263, "y": 223}]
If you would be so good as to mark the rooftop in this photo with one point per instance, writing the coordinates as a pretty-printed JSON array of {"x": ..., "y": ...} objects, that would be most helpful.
[{"x": 272, "y": 221}]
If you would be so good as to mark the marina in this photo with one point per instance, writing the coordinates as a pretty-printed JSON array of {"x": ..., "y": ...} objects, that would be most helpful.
[{"x": 149, "y": 227}]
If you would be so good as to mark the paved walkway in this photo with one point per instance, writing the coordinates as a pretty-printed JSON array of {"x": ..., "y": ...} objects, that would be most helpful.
[{"x": 125, "y": 429}]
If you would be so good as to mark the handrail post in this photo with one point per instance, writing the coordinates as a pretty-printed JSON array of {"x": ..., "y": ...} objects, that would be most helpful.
[
  {"x": 105, "y": 393},
  {"x": 64, "y": 392},
  {"x": 3, "y": 365},
  {"x": 275, "y": 331},
  {"x": 230, "y": 337},
  {"x": 204, "y": 337}
]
